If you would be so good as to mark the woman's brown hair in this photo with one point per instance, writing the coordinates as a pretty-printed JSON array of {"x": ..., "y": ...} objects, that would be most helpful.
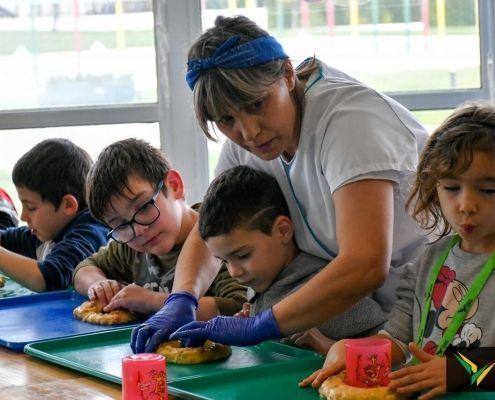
[{"x": 219, "y": 89}]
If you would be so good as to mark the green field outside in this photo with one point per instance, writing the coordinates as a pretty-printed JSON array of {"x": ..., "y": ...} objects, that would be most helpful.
[
  {"x": 50, "y": 42},
  {"x": 55, "y": 41}
]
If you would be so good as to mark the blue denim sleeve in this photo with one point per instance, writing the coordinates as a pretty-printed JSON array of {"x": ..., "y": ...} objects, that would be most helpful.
[
  {"x": 77, "y": 244},
  {"x": 19, "y": 240}
]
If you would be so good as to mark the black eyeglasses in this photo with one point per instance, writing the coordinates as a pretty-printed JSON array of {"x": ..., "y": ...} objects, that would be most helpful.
[{"x": 146, "y": 215}]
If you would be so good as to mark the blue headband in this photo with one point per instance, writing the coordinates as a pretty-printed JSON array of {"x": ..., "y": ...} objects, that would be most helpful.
[{"x": 255, "y": 52}]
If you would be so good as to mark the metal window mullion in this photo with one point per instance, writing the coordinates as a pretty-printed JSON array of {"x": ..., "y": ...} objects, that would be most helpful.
[
  {"x": 487, "y": 46},
  {"x": 177, "y": 24},
  {"x": 438, "y": 100},
  {"x": 72, "y": 116}
]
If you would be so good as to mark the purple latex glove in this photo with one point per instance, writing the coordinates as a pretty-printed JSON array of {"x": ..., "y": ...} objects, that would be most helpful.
[
  {"x": 232, "y": 330},
  {"x": 179, "y": 309}
]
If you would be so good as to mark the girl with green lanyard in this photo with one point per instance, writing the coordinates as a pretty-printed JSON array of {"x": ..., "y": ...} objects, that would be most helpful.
[{"x": 445, "y": 297}]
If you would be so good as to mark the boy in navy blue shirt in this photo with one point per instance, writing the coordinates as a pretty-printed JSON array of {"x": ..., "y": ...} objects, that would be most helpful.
[{"x": 60, "y": 231}]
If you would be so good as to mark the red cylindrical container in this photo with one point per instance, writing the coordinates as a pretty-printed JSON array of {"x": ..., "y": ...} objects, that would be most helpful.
[
  {"x": 144, "y": 376},
  {"x": 368, "y": 362}
]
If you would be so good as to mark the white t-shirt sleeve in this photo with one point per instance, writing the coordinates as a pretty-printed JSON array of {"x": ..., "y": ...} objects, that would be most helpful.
[
  {"x": 364, "y": 135},
  {"x": 392, "y": 176}
]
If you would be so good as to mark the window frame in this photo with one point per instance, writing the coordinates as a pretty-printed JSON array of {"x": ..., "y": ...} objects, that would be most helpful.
[
  {"x": 176, "y": 25},
  {"x": 451, "y": 98}
]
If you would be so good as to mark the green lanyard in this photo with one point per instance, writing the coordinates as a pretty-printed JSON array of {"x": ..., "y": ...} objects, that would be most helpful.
[{"x": 465, "y": 304}]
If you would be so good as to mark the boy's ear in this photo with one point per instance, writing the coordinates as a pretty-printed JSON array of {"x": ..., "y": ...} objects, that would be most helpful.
[
  {"x": 69, "y": 205},
  {"x": 283, "y": 228},
  {"x": 175, "y": 185}
]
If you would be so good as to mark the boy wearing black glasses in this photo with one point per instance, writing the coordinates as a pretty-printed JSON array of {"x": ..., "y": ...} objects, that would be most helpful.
[
  {"x": 60, "y": 231},
  {"x": 133, "y": 190}
]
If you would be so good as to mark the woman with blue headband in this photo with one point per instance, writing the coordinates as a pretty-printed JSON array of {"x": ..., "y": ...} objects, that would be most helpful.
[{"x": 343, "y": 155}]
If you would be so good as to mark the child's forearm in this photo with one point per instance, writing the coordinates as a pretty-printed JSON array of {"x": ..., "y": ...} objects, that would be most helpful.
[
  {"x": 87, "y": 276},
  {"x": 22, "y": 269},
  {"x": 158, "y": 301}
]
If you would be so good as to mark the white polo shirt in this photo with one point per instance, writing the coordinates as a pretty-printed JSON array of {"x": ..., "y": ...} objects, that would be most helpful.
[{"x": 349, "y": 132}]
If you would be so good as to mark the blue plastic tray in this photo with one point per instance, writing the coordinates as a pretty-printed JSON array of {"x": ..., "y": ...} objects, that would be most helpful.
[
  {"x": 13, "y": 289},
  {"x": 42, "y": 316}
]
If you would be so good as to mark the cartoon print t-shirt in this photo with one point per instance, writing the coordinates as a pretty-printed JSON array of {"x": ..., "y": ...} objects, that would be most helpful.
[
  {"x": 454, "y": 280},
  {"x": 448, "y": 292}
]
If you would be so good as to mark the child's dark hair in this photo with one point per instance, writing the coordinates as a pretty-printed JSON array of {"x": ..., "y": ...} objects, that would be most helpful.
[
  {"x": 110, "y": 174},
  {"x": 448, "y": 153},
  {"x": 219, "y": 89},
  {"x": 241, "y": 197},
  {"x": 53, "y": 169}
]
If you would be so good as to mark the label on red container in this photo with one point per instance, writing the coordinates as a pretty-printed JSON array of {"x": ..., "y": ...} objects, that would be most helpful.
[{"x": 144, "y": 377}]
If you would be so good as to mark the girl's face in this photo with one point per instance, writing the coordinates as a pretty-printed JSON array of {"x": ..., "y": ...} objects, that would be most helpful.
[
  {"x": 468, "y": 203},
  {"x": 268, "y": 127}
]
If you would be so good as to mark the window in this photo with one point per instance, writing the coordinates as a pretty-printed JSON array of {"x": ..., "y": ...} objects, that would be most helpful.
[
  {"x": 428, "y": 55},
  {"x": 93, "y": 138},
  {"x": 108, "y": 63},
  {"x": 60, "y": 54},
  {"x": 431, "y": 119},
  {"x": 97, "y": 71}
]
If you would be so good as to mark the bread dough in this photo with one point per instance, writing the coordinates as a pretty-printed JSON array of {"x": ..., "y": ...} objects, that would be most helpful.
[
  {"x": 92, "y": 312},
  {"x": 210, "y": 351},
  {"x": 335, "y": 388}
]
